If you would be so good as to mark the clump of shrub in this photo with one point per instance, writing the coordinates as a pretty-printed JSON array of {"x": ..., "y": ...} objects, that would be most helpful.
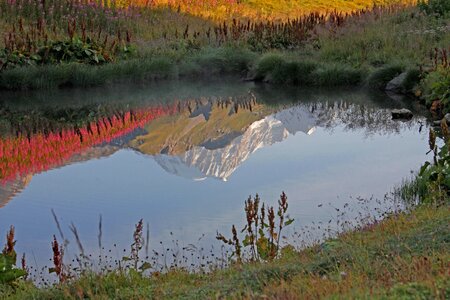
[
  {"x": 295, "y": 72},
  {"x": 27, "y": 43},
  {"x": 64, "y": 51},
  {"x": 380, "y": 77},
  {"x": 436, "y": 87},
  {"x": 434, "y": 177},
  {"x": 337, "y": 75},
  {"x": 276, "y": 69},
  {"x": 412, "y": 79},
  {"x": 439, "y": 7},
  {"x": 8, "y": 270},
  {"x": 266, "y": 64},
  {"x": 221, "y": 60}
]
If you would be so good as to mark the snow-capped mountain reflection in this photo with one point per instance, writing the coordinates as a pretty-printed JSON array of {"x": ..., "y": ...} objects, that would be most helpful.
[{"x": 201, "y": 162}]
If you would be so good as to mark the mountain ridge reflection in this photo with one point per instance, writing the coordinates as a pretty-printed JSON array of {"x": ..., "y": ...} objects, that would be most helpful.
[{"x": 203, "y": 138}]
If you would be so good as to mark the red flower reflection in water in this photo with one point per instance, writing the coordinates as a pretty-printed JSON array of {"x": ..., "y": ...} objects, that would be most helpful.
[{"x": 24, "y": 155}]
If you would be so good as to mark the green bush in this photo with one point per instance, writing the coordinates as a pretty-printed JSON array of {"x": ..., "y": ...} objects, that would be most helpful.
[
  {"x": 412, "y": 79},
  {"x": 67, "y": 51},
  {"x": 411, "y": 290},
  {"x": 337, "y": 75},
  {"x": 436, "y": 86},
  {"x": 8, "y": 271},
  {"x": 380, "y": 77},
  {"x": 221, "y": 60},
  {"x": 266, "y": 65},
  {"x": 82, "y": 75},
  {"x": 434, "y": 177},
  {"x": 299, "y": 73},
  {"x": 274, "y": 68},
  {"x": 440, "y": 7}
]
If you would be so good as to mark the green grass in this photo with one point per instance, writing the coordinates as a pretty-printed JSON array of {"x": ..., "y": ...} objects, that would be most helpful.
[
  {"x": 80, "y": 75},
  {"x": 373, "y": 49},
  {"x": 403, "y": 255},
  {"x": 380, "y": 77}
]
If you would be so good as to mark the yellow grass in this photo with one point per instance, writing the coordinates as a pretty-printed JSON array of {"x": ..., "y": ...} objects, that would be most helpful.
[{"x": 273, "y": 9}]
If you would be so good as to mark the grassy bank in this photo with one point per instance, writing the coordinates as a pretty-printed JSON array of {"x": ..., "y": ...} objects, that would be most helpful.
[{"x": 369, "y": 47}]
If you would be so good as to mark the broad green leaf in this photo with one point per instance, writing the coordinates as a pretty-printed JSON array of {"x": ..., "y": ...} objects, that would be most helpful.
[{"x": 11, "y": 275}]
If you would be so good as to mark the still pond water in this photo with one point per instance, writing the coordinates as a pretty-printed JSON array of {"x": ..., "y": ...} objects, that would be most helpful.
[{"x": 185, "y": 156}]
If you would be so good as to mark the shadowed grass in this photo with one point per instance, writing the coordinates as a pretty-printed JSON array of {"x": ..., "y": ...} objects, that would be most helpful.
[
  {"x": 79, "y": 75},
  {"x": 380, "y": 77}
]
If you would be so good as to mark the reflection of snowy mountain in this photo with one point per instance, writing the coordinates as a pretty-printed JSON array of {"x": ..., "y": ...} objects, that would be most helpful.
[
  {"x": 176, "y": 165},
  {"x": 297, "y": 119},
  {"x": 200, "y": 162}
]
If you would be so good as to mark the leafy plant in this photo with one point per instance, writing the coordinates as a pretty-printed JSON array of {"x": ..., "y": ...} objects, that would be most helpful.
[
  {"x": 74, "y": 51},
  {"x": 262, "y": 233},
  {"x": 380, "y": 77},
  {"x": 439, "y": 7},
  {"x": 436, "y": 86},
  {"x": 8, "y": 270},
  {"x": 435, "y": 176}
]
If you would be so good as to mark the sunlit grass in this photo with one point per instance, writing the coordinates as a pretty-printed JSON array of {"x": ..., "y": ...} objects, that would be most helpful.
[{"x": 270, "y": 9}]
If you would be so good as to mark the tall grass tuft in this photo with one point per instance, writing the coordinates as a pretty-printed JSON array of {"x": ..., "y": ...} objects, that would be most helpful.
[
  {"x": 338, "y": 75},
  {"x": 380, "y": 77}
]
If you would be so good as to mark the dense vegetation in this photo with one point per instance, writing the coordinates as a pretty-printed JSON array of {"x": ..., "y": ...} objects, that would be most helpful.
[{"x": 54, "y": 45}]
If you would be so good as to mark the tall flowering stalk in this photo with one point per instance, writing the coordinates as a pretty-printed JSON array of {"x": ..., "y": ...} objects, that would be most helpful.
[
  {"x": 262, "y": 230},
  {"x": 10, "y": 243},
  {"x": 58, "y": 258}
]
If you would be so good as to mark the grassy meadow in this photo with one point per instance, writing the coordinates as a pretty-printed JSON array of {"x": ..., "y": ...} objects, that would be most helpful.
[{"x": 351, "y": 43}]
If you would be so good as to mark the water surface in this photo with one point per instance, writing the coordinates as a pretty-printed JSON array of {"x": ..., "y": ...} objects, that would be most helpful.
[{"x": 188, "y": 156}]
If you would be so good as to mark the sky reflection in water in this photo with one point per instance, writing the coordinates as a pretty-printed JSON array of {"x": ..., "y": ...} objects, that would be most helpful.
[{"x": 315, "y": 157}]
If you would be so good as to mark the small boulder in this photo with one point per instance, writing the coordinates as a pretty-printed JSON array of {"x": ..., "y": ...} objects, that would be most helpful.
[
  {"x": 396, "y": 84},
  {"x": 402, "y": 114}
]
